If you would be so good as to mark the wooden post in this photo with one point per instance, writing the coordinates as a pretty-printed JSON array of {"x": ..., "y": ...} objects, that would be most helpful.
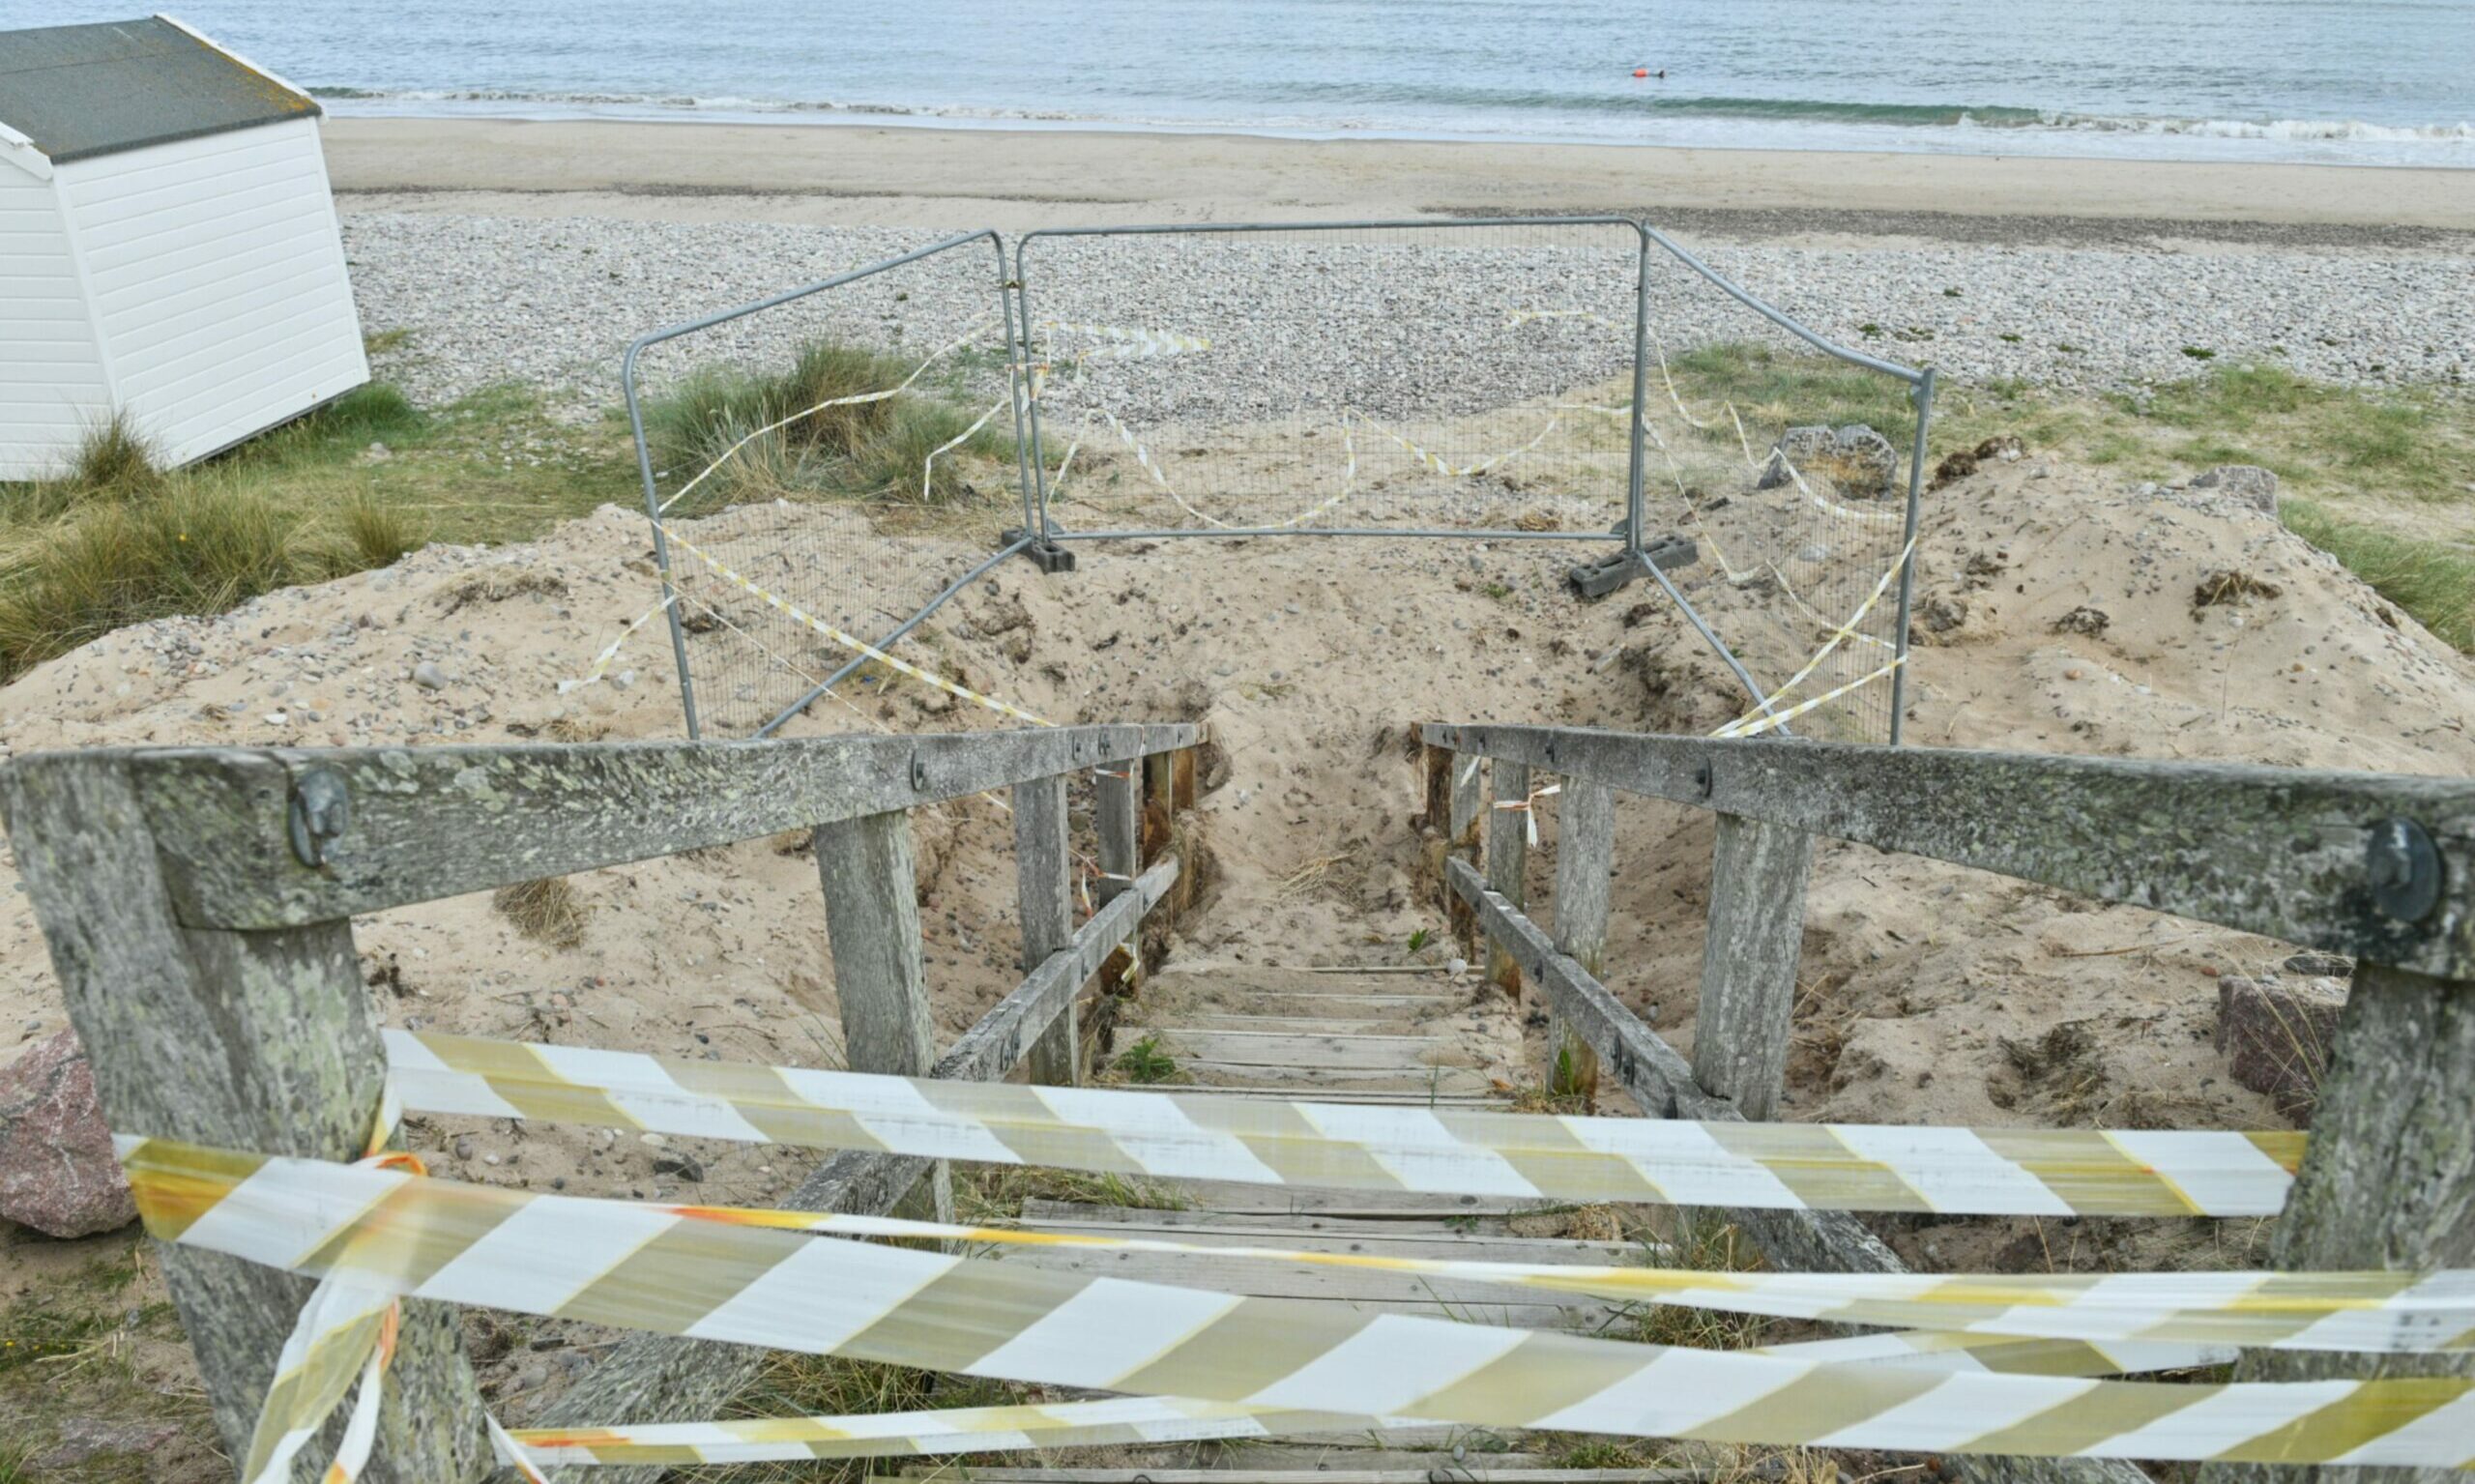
[
  {"x": 2388, "y": 1180},
  {"x": 872, "y": 923},
  {"x": 1182, "y": 778},
  {"x": 1508, "y": 861},
  {"x": 1116, "y": 810},
  {"x": 1439, "y": 819},
  {"x": 1584, "y": 855},
  {"x": 255, "y": 1040},
  {"x": 1159, "y": 797},
  {"x": 1045, "y": 888},
  {"x": 1452, "y": 808},
  {"x": 1662, "y": 1083},
  {"x": 1748, "y": 962}
]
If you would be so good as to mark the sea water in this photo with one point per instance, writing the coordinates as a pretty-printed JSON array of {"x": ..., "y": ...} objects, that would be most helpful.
[{"x": 2355, "y": 82}]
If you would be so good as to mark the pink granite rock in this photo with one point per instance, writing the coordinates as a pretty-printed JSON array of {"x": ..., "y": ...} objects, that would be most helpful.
[{"x": 58, "y": 1173}]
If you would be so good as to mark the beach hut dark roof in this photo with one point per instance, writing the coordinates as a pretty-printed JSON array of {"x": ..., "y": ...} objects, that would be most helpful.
[{"x": 81, "y": 91}]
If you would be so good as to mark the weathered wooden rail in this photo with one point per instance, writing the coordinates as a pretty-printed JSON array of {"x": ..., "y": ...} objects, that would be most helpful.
[
  {"x": 198, "y": 907},
  {"x": 2377, "y": 866}
]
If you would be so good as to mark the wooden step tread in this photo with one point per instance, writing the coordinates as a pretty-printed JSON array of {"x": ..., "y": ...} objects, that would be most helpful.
[
  {"x": 1371, "y": 1289},
  {"x": 1238, "y": 1472},
  {"x": 1409, "y": 1084},
  {"x": 1308, "y": 1236},
  {"x": 1393, "y": 1097},
  {"x": 1281, "y": 1025},
  {"x": 1240, "y": 1197},
  {"x": 1204, "y": 1223}
]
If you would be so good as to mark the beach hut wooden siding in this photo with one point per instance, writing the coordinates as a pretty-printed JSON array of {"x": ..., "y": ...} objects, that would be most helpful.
[{"x": 169, "y": 245}]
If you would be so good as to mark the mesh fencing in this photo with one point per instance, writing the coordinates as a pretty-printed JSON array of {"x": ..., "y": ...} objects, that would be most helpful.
[
  {"x": 1789, "y": 468},
  {"x": 1449, "y": 377},
  {"x": 815, "y": 458},
  {"x": 812, "y": 459}
]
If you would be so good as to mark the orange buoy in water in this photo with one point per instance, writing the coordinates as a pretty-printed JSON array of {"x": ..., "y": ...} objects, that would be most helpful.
[{"x": 1640, "y": 71}]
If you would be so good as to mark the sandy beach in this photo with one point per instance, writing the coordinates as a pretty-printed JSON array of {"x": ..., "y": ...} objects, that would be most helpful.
[{"x": 1018, "y": 180}]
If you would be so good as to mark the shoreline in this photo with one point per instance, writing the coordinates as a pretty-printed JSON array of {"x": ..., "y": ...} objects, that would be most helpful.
[{"x": 1016, "y": 179}]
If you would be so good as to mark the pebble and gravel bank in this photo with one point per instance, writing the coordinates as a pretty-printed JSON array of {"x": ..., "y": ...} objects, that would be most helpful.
[{"x": 553, "y": 302}]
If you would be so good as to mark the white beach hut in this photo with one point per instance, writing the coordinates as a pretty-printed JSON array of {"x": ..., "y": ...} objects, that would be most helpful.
[{"x": 169, "y": 248}]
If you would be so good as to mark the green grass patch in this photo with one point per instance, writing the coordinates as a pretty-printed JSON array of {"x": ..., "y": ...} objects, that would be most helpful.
[
  {"x": 839, "y": 434},
  {"x": 1145, "y": 1061},
  {"x": 115, "y": 539},
  {"x": 2433, "y": 580},
  {"x": 2383, "y": 478},
  {"x": 991, "y": 1193},
  {"x": 791, "y": 1385}
]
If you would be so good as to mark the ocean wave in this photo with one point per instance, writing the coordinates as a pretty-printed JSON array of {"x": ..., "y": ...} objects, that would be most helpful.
[
  {"x": 1487, "y": 114},
  {"x": 2284, "y": 130}
]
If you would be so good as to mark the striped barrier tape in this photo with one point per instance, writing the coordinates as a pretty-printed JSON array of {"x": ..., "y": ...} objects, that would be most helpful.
[
  {"x": 344, "y": 1335},
  {"x": 1445, "y": 1151},
  {"x": 610, "y": 651},
  {"x": 1776, "y": 718},
  {"x": 1134, "y": 344},
  {"x": 719, "y": 1274},
  {"x": 1117, "y": 1421},
  {"x": 1746, "y": 725},
  {"x": 1797, "y": 601},
  {"x": 1143, "y": 459},
  {"x": 856, "y": 399},
  {"x": 2369, "y": 1312},
  {"x": 1451, "y": 470},
  {"x": 856, "y": 646},
  {"x": 1160, "y": 477},
  {"x": 1136, "y": 1420},
  {"x": 928, "y": 465}
]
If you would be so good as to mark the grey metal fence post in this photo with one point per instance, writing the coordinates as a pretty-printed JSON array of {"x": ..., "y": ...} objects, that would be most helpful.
[
  {"x": 1634, "y": 514},
  {"x": 661, "y": 541},
  {"x": 1017, "y": 388},
  {"x": 1036, "y": 521},
  {"x": 1924, "y": 394}
]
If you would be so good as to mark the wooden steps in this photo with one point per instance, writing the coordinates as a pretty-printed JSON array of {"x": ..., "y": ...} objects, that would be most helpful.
[{"x": 1406, "y": 1039}]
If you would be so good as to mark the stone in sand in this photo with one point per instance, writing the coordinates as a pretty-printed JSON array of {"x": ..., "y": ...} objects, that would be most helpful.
[
  {"x": 1868, "y": 461},
  {"x": 58, "y": 1173},
  {"x": 2254, "y": 485},
  {"x": 1799, "y": 447},
  {"x": 2276, "y": 1033}
]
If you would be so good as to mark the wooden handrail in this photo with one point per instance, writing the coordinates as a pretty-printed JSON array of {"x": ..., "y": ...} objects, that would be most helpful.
[
  {"x": 422, "y": 823},
  {"x": 2313, "y": 857},
  {"x": 2374, "y": 865},
  {"x": 198, "y": 902}
]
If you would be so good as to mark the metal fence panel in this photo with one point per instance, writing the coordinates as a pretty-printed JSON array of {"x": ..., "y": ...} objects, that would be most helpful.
[
  {"x": 1577, "y": 379},
  {"x": 807, "y": 460},
  {"x": 1464, "y": 378}
]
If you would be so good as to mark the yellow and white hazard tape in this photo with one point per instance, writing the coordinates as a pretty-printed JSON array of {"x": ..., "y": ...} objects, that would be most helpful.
[
  {"x": 1142, "y": 458},
  {"x": 1115, "y": 1421},
  {"x": 1136, "y": 1420},
  {"x": 1450, "y": 470},
  {"x": 601, "y": 661},
  {"x": 1776, "y": 718},
  {"x": 928, "y": 465},
  {"x": 857, "y": 646},
  {"x": 1131, "y": 344},
  {"x": 721, "y": 1275},
  {"x": 1763, "y": 719},
  {"x": 1447, "y": 1150},
  {"x": 856, "y": 399}
]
